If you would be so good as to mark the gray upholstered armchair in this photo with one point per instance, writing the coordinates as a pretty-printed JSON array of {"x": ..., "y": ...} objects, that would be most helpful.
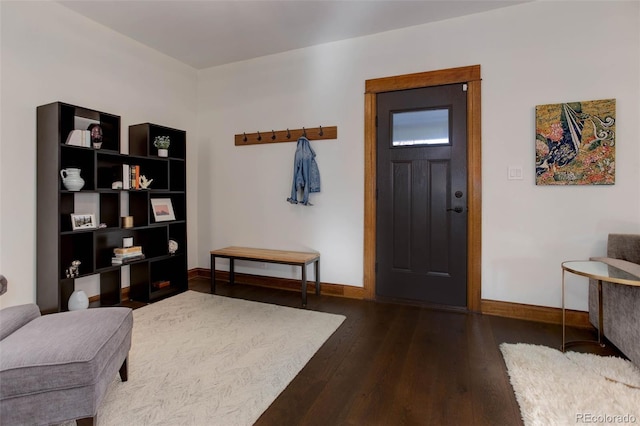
[
  {"x": 620, "y": 302},
  {"x": 55, "y": 368}
]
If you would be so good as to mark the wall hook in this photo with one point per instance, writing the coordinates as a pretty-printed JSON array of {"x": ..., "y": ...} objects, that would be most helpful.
[
  {"x": 273, "y": 135},
  {"x": 245, "y": 136},
  {"x": 259, "y": 137},
  {"x": 321, "y": 133},
  {"x": 288, "y": 134}
]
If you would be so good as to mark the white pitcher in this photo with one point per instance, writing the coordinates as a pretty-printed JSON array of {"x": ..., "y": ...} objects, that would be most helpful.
[{"x": 71, "y": 179}]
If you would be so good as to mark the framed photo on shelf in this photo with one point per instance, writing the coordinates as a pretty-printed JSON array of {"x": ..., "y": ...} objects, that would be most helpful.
[
  {"x": 162, "y": 209},
  {"x": 83, "y": 221}
]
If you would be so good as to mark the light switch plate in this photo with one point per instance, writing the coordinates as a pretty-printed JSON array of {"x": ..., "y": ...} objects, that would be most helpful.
[{"x": 515, "y": 173}]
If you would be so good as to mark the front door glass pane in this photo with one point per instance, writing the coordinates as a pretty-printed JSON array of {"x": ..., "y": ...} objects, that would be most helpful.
[{"x": 425, "y": 127}]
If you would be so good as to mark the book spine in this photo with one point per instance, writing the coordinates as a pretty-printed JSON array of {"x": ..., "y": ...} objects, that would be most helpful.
[
  {"x": 127, "y": 255},
  {"x": 126, "y": 177},
  {"x": 123, "y": 250},
  {"x": 119, "y": 260}
]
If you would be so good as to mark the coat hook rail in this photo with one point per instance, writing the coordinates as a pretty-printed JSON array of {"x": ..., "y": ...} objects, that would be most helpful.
[{"x": 288, "y": 135}]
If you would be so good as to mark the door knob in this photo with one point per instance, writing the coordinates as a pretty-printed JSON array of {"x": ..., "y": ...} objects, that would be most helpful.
[{"x": 456, "y": 209}]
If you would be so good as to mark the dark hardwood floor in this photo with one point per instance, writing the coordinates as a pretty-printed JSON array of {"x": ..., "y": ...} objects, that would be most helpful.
[{"x": 391, "y": 364}]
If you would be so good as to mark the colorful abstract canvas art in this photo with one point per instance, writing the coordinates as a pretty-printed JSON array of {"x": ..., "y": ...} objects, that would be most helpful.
[{"x": 575, "y": 143}]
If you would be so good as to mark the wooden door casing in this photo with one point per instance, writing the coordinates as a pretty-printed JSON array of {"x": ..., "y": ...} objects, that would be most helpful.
[{"x": 471, "y": 76}]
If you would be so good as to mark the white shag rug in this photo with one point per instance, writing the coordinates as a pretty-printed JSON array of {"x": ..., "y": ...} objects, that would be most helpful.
[
  {"x": 201, "y": 359},
  {"x": 555, "y": 388}
]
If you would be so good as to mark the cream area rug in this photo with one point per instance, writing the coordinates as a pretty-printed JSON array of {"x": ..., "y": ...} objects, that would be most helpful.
[
  {"x": 555, "y": 388},
  {"x": 201, "y": 359}
]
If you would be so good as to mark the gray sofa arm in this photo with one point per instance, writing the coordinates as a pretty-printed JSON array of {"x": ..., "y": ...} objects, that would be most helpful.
[{"x": 15, "y": 317}]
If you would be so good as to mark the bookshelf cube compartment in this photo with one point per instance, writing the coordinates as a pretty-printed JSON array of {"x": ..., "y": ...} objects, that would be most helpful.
[
  {"x": 109, "y": 169},
  {"x": 105, "y": 243},
  {"x": 110, "y": 294},
  {"x": 156, "y": 169},
  {"x": 178, "y": 201},
  {"x": 74, "y": 157},
  {"x": 177, "y": 175},
  {"x": 110, "y": 209},
  {"x": 66, "y": 288},
  {"x": 154, "y": 241},
  {"x": 172, "y": 270},
  {"x": 139, "y": 207},
  {"x": 178, "y": 233},
  {"x": 78, "y": 118},
  {"x": 76, "y": 246},
  {"x": 142, "y": 136},
  {"x": 139, "y": 286}
]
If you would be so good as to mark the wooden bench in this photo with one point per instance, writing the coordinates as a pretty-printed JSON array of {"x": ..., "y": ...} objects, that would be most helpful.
[{"x": 295, "y": 258}]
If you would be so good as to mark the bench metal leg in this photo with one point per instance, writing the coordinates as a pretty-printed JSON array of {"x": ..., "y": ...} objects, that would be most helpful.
[
  {"x": 318, "y": 277},
  {"x": 304, "y": 285},
  {"x": 232, "y": 274},
  {"x": 213, "y": 274}
]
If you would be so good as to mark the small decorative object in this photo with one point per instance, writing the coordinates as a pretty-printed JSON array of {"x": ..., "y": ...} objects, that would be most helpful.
[
  {"x": 162, "y": 143},
  {"x": 78, "y": 300},
  {"x": 162, "y": 209},
  {"x": 83, "y": 221},
  {"x": 116, "y": 185},
  {"x": 102, "y": 225},
  {"x": 144, "y": 182},
  {"x": 161, "y": 284},
  {"x": 575, "y": 143},
  {"x": 71, "y": 179},
  {"x": 173, "y": 247},
  {"x": 127, "y": 221},
  {"x": 127, "y": 242},
  {"x": 96, "y": 135},
  {"x": 73, "y": 271}
]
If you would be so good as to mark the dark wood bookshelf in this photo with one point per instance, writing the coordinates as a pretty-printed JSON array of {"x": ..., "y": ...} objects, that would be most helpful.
[{"x": 58, "y": 244}]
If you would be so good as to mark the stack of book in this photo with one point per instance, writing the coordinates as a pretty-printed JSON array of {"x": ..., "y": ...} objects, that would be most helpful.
[{"x": 125, "y": 255}]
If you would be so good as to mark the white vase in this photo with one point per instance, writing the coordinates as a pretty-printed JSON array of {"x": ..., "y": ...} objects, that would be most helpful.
[
  {"x": 78, "y": 300},
  {"x": 163, "y": 152},
  {"x": 71, "y": 179}
]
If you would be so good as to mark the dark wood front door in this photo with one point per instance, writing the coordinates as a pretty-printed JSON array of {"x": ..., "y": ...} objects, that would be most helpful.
[{"x": 421, "y": 229}]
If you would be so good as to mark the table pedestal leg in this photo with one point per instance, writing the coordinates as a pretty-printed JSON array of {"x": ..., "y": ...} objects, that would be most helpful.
[
  {"x": 600, "y": 314},
  {"x": 563, "y": 315},
  {"x": 566, "y": 344}
]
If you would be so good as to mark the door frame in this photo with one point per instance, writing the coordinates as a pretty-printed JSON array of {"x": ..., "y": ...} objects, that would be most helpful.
[{"x": 471, "y": 76}]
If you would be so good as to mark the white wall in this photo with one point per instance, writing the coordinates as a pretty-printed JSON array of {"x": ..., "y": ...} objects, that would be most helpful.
[
  {"x": 52, "y": 54},
  {"x": 536, "y": 53}
]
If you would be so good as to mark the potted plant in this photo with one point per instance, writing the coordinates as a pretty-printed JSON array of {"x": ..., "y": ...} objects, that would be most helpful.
[{"x": 162, "y": 143}]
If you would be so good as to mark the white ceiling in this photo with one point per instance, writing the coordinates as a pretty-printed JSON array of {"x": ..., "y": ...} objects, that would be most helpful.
[{"x": 203, "y": 34}]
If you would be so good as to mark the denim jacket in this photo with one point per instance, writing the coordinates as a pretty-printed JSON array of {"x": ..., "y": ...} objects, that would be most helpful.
[{"x": 306, "y": 176}]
